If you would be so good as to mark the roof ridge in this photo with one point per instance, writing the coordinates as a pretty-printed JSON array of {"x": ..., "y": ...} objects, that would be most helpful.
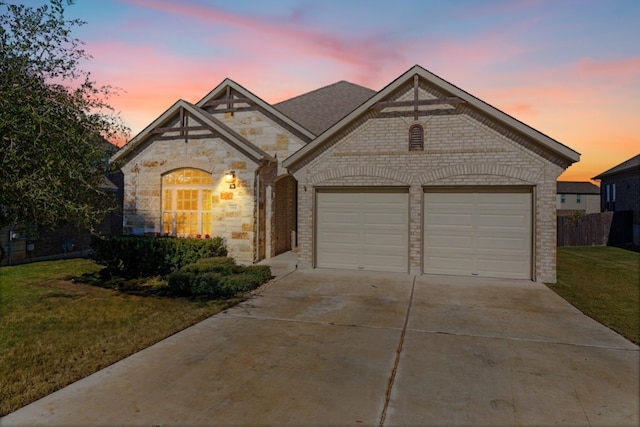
[{"x": 322, "y": 88}]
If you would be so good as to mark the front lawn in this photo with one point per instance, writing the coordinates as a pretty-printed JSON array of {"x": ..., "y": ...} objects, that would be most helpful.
[
  {"x": 54, "y": 331},
  {"x": 604, "y": 283}
]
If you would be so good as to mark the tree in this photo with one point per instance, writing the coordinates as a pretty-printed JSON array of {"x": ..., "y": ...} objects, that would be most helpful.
[{"x": 54, "y": 122}]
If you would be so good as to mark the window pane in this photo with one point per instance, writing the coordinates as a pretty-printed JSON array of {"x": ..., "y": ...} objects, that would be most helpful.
[
  {"x": 180, "y": 200},
  {"x": 206, "y": 200},
  {"x": 167, "y": 200},
  {"x": 207, "y": 219},
  {"x": 167, "y": 222},
  {"x": 186, "y": 224}
]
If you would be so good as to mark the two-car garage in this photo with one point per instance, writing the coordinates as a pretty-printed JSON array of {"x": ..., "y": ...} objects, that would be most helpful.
[{"x": 470, "y": 231}]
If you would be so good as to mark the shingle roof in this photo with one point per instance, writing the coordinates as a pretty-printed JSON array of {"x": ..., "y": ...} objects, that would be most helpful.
[
  {"x": 632, "y": 163},
  {"x": 318, "y": 110},
  {"x": 577, "y": 187}
]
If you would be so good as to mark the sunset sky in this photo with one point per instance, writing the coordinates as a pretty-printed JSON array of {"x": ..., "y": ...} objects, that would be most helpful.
[{"x": 568, "y": 68}]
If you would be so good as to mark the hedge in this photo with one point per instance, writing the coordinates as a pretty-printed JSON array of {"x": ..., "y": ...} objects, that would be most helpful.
[
  {"x": 143, "y": 256},
  {"x": 217, "y": 278}
]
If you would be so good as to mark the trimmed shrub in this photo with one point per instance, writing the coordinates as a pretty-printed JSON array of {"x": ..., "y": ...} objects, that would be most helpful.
[
  {"x": 222, "y": 265},
  {"x": 261, "y": 273},
  {"x": 142, "y": 256},
  {"x": 217, "y": 278}
]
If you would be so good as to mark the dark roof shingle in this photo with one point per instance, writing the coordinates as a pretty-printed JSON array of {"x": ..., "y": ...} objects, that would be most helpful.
[
  {"x": 577, "y": 187},
  {"x": 319, "y": 109},
  {"x": 632, "y": 163}
]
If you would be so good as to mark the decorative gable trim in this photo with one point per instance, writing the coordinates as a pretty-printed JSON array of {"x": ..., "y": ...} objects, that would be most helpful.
[
  {"x": 229, "y": 94},
  {"x": 180, "y": 113},
  {"x": 452, "y": 95}
]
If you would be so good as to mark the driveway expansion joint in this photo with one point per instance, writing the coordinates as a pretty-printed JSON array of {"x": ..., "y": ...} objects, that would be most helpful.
[{"x": 394, "y": 371}]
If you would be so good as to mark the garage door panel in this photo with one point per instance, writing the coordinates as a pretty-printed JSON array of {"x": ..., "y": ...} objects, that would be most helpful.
[
  {"x": 385, "y": 243},
  {"x": 493, "y": 240},
  {"x": 338, "y": 260},
  {"x": 502, "y": 220},
  {"x": 449, "y": 242},
  {"x": 443, "y": 219},
  {"x": 501, "y": 245},
  {"x": 503, "y": 269},
  {"x": 451, "y": 263},
  {"x": 346, "y": 237},
  {"x": 377, "y": 229}
]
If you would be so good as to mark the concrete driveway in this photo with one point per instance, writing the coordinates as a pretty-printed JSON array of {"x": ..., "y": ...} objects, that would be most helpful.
[{"x": 325, "y": 347}]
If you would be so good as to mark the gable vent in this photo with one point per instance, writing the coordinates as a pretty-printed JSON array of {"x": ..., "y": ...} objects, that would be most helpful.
[{"x": 416, "y": 138}]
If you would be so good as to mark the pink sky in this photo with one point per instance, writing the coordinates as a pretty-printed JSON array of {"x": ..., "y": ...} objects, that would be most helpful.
[{"x": 569, "y": 69}]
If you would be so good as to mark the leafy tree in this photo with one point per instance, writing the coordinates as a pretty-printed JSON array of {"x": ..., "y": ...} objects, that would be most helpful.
[{"x": 54, "y": 122}]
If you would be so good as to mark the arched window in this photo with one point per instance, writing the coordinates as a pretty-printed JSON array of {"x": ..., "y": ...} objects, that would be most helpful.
[
  {"x": 416, "y": 138},
  {"x": 187, "y": 203}
]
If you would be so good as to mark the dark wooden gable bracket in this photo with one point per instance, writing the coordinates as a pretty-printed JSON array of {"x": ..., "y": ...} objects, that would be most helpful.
[
  {"x": 451, "y": 100},
  {"x": 183, "y": 128},
  {"x": 229, "y": 100}
]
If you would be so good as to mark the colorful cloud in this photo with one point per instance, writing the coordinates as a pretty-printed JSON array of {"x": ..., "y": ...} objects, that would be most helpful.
[{"x": 570, "y": 70}]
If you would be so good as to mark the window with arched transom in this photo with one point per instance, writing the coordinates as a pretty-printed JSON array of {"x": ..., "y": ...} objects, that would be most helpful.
[{"x": 187, "y": 203}]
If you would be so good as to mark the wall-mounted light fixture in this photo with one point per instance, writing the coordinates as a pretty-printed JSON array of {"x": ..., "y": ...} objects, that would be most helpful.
[{"x": 230, "y": 178}]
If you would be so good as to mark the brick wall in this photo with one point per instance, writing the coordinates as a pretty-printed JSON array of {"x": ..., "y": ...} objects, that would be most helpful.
[{"x": 459, "y": 149}]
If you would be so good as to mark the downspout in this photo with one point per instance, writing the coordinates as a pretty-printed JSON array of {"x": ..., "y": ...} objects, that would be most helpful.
[{"x": 256, "y": 206}]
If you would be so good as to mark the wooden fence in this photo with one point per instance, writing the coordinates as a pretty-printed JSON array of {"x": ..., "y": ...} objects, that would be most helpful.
[{"x": 598, "y": 229}]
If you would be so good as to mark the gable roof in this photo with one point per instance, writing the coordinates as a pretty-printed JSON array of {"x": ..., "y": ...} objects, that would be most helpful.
[
  {"x": 576, "y": 187},
  {"x": 543, "y": 140},
  {"x": 220, "y": 91},
  {"x": 628, "y": 165},
  {"x": 231, "y": 137},
  {"x": 319, "y": 109}
]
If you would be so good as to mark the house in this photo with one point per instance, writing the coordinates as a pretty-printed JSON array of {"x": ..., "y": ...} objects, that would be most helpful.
[
  {"x": 420, "y": 177},
  {"x": 577, "y": 196},
  {"x": 620, "y": 191},
  {"x": 215, "y": 167}
]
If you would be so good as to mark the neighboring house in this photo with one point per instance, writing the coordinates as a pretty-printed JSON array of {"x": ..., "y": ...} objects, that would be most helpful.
[
  {"x": 620, "y": 191},
  {"x": 577, "y": 196},
  {"x": 420, "y": 177}
]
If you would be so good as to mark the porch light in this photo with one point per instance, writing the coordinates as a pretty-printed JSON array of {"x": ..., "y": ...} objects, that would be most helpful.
[{"x": 230, "y": 178}]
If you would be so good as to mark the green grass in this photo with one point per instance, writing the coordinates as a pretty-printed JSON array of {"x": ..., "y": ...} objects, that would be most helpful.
[
  {"x": 604, "y": 283},
  {"x": 54, "y": 331}
]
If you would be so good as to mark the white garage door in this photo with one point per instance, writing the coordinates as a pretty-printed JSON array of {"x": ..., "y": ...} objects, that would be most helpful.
[
  {"x": 479, "y": 233},
  {"x": 362, "y": 230}
]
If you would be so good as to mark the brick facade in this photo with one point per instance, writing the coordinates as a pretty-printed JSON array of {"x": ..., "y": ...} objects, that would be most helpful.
[{"x": 459, "y": 150}]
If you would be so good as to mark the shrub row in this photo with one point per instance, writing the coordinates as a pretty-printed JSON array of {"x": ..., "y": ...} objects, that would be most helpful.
[
  {"x": 142, "y": 256},
  {"x": 217, "y": 278}
]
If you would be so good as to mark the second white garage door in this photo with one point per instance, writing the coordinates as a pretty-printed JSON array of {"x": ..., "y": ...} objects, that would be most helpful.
[
  {"x": 363, "y": 229},
  {"x": 478, "y": 233}
]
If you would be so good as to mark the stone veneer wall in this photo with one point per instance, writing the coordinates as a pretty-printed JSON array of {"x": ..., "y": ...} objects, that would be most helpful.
[
  {"x": 233, "y": 209},
  {"x": 458, "y": 150}
]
